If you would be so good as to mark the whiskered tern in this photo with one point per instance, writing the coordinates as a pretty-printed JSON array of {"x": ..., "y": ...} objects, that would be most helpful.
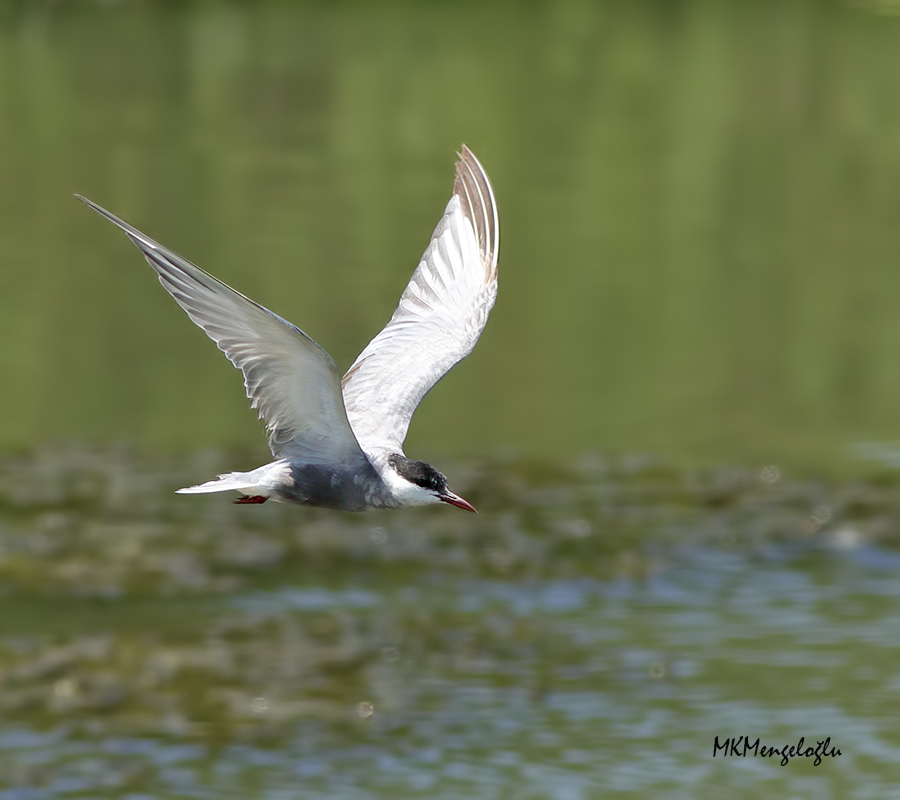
[{"x": 338, "y": 442}]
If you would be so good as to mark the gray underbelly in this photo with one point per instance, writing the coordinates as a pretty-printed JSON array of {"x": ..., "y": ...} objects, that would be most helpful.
[{"x": 345, "y": 488}]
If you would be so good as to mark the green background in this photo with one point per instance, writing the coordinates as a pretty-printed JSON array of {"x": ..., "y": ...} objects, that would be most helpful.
[
  {"x": 699, "y": 207},
  {"x": 680, "y": 428}
]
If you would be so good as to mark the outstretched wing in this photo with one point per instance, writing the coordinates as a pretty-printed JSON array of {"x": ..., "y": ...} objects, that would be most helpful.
[
  {"x": 291, "y": 380},
  {"x": 441, "y": 315}
]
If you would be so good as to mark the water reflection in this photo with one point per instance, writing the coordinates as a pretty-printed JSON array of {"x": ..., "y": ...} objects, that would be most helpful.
[{"x": 698, "y": 205}]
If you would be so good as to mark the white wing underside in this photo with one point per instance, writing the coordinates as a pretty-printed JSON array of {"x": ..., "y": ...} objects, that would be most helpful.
[
  {"x": 292, "y": 381},
  {"x": 441, "y": 314}
]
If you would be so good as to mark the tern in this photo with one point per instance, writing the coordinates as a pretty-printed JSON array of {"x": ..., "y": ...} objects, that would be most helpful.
[{"x": 338, "y": 442}]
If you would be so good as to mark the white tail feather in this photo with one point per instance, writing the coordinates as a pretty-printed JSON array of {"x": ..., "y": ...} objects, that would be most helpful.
[{"x": 230, "y": 481}]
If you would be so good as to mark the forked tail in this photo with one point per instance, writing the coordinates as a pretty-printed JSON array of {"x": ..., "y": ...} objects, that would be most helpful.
[{"x": 246, "y": 482}]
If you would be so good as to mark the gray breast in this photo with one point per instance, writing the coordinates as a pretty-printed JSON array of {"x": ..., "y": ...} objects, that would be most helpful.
[{"x": 352, "y": 486}]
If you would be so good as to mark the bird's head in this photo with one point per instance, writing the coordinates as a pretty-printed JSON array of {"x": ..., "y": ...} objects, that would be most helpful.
[{"x": 415, "y": 483}]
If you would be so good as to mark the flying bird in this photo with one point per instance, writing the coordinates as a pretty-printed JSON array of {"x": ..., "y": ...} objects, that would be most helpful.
[{"x": 338, "y": 442}]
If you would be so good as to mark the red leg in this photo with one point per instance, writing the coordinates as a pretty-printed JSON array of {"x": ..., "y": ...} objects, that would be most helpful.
[{"x": 253, "y": 498}]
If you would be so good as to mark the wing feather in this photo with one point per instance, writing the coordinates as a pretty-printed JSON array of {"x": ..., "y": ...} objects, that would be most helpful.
[
  {"x": 290, "y": 380},
  {"x": 440, "y": 317}
]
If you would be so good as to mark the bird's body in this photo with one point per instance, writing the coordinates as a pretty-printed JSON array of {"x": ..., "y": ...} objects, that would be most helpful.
[{"x": 338, "y": 442}]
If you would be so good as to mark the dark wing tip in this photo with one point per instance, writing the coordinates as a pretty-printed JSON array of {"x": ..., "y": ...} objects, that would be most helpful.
[
  {"x": 476, "y": 195},
  {"x": 91, "y": 204},
  {"x": 98, "y": 208},
  {"x": 140, "y": 239}
]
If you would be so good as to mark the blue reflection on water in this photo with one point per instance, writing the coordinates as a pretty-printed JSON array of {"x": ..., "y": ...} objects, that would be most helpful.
[{"x": 650, "y": 680}]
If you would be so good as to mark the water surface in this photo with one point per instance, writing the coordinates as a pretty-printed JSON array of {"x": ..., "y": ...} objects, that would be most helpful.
[
  {"x": 699, "y": 208},
  {"x": 588, "y": 634}
]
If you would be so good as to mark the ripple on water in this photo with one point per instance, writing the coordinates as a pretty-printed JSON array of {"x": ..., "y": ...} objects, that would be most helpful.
[{"x": 184, "y": 649}]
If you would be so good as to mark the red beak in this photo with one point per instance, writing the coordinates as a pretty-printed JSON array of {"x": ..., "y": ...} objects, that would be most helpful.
[{"x": 456, "y": 500}]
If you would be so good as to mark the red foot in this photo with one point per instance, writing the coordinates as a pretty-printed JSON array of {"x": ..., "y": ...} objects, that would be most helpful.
[{"x": 253, "y": 498}]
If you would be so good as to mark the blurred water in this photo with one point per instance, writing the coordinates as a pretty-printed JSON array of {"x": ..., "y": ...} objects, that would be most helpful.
[
  {"x": 699, "y": 252},
  {"x": 588, "y": 634}
]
